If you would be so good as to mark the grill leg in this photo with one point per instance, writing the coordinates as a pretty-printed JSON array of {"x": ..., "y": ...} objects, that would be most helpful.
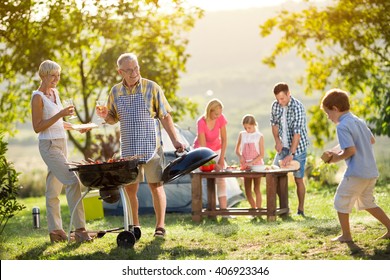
[
  {"x": 127, "y": 213},
  {"x": 74, "y": 209}
]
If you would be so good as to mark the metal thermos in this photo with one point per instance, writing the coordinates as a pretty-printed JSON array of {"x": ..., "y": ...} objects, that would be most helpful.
[{"x": 36, "y": 217}]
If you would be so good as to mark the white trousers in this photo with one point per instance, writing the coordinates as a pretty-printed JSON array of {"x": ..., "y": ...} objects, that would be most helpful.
[
  {"x": 54, "y": 154},
  {"x": 220, "y": 182}
]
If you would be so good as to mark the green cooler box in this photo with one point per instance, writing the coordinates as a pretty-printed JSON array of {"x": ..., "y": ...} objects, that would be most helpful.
[{"x": 93, "y": 206}]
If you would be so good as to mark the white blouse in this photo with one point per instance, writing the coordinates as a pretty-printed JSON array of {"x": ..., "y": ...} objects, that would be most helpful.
[
  {"x": 56, "y": 131},
  {"x": 251, "y": 138}
]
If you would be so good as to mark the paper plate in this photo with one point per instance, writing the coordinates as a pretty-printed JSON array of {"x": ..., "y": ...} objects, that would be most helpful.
[
  {"x": 84, "y": 126},
  {"x": 258, "y": 168}
]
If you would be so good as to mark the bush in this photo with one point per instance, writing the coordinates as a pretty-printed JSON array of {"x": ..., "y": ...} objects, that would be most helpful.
[
  {"x": 383, "y": 167},
  {"x": 320, "y": 174},
  {"x": 8, "y": 188},
  {"x": 269, "y": 159},
  {"x": 33, "y": 183}
]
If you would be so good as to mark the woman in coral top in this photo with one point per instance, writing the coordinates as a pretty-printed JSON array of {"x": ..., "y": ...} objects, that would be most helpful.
[{"x": 211, "y": 133}]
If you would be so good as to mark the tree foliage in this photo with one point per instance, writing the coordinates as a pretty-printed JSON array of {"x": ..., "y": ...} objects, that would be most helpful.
[
  {"x": 346, "y": 45},
  {"x": 86, "y": 38},
  {"x": 9, "y": 187}
]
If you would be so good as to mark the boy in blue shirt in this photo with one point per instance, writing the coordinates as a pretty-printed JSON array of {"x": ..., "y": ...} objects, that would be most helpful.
[{"x": 357, "y": 185}]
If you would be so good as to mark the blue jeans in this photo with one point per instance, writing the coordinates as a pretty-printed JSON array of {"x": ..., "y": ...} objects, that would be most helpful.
[{"x": 301, "y": 158}]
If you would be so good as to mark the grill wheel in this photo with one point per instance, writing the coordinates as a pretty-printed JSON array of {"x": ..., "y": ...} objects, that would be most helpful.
[{"x": 125, "y": 239}]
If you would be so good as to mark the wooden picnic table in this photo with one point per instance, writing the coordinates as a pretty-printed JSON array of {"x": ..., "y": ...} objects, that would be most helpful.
[{"x": 276, "y": 183}]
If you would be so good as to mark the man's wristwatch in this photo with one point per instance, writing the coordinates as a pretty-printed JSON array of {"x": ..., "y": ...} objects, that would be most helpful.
[{"x": 292, "y": 154}]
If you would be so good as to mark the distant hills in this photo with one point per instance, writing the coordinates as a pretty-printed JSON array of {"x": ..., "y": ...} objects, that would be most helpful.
[{"x": 226, "y": 52}]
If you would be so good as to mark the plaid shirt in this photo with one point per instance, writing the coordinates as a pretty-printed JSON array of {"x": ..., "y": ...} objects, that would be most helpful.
[
  {"x": 155, "y": 100},
  {"x": 296, "y": 122}
]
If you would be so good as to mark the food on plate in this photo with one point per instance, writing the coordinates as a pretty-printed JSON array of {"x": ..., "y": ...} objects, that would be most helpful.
[
  {"x": 231, "y": 167},
  {"x": 272, "y": 167},
  {"x": 294, "y": 165}
]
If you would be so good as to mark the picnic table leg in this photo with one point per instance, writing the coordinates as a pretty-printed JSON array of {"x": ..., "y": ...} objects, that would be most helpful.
[
  {"x": 196, "y": 184},
  {"x": 271, "y": 197},
  {"x": 211, "y": 201},
  {"x": 283, "y": 192}
]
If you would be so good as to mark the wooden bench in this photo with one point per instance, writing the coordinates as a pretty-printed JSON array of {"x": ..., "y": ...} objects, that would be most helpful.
[{"x": 276, "y": 183}]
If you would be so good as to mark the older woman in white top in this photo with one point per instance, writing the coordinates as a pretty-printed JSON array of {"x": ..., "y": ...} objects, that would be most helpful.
[{"x": 47, "y": 121}]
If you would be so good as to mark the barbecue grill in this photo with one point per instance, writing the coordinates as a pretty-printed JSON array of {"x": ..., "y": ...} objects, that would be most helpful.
[{"x": 111, "y": 177}]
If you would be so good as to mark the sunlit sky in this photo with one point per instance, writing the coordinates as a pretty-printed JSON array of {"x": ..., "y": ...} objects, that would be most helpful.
[
  {"x": 219, "y": 5},
  {"x": 214, "y": 5}
]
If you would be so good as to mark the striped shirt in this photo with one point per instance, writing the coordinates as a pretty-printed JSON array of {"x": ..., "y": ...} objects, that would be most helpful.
[
  {"x": 155, "y": 100},
  {"x": 296, "y": 122}
]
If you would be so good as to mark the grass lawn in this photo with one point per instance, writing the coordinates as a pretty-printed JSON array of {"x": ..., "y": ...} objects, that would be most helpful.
[{"x": 240, "y": 238}]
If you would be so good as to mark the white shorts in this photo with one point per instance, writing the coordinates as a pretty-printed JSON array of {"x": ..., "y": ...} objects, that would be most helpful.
[{"x": 354, "y": 191}]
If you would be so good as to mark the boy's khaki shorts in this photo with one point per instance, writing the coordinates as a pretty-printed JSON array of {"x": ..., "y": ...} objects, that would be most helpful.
[{"x": 354, "y": 191}]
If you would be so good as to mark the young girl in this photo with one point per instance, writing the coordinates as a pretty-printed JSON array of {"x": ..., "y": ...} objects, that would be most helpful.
[{"x": 250, "y": 151}]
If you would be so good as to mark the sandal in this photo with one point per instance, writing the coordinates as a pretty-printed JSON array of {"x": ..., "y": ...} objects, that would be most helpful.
[
  {"x": 81, "y": 235},
  {"x": 300, "y": 212},
  {"x": 159, "y": 232},
  {"x": 58, "y": 236},
  {"x": 137, "y": 232}
]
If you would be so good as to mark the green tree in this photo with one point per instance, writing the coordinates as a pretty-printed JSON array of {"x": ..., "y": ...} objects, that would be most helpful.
[
  {"x": 85, "y": 38},
  {"x": 8, "y": 188},
  {"x": 345, "y": 45}
]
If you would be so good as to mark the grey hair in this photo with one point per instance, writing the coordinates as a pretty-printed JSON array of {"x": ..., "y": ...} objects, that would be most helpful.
[
  {"x": 48, "y": 67},
  {"x": 126, "y": 56}
]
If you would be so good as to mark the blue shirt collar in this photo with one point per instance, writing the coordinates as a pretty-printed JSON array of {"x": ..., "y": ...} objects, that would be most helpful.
[{"x": 343, "y": 116}]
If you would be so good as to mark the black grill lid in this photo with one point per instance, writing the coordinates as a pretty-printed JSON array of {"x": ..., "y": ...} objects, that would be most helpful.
[{"x": 187, "y": 163}]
